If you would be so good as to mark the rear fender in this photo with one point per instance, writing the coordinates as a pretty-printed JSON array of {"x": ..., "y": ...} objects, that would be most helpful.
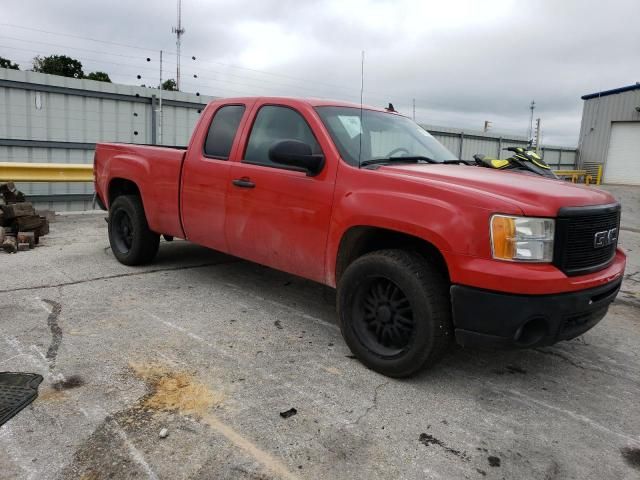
[
  {"x": 136, "y": 169},
  {"x": 133, "y": 168}
]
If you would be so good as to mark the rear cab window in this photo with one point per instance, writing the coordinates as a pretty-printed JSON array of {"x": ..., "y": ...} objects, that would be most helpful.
[
  {"x": 272, "y": 124},
  {"x": 222, "y": 131}
]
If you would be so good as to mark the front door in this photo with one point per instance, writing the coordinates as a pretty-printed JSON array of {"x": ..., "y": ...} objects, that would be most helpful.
[{"x": 276, "y": 216}]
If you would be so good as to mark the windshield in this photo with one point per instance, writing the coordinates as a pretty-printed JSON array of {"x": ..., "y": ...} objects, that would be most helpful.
[{"x": 384, "y": 135}]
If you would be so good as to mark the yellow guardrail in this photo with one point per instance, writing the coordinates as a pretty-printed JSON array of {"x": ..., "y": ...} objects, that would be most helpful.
[
  {"x": 81, "y": 172},
  {"x": 574, "y": 175},
  {"x": 588, "y": 177},
  {"x": 45, "y": 172},
  {"x": 595, "y": 170}
]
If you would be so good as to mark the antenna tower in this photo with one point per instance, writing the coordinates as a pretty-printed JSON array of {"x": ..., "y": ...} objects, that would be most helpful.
[{"x": 179, "y": 31}]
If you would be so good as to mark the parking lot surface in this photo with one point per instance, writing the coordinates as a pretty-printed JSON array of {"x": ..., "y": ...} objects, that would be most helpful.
[{"x": 213, "y": 349}]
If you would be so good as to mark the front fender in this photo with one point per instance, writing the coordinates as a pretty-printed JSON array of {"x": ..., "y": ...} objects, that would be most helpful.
[{"x": 454, "y": 229}]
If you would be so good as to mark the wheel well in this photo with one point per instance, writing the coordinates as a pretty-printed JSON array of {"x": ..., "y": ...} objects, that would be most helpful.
[
  {"x": 358, "y": 241},
  {"x": 121, "y": 186}
]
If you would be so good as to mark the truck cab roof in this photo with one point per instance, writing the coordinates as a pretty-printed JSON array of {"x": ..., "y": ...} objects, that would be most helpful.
[{"x": 308, "y": 101}]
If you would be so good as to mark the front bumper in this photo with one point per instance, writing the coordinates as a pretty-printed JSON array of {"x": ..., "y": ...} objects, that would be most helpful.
[
  {"x": 527, "y": 278},
  {"x": 495, "y": 319}
]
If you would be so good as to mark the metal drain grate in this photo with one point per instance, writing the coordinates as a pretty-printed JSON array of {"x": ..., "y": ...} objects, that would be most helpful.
[{"x": 17, "y": 390}]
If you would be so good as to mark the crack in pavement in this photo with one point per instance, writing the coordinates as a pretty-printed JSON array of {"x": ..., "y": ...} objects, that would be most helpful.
[
  {"x": 630, "y": 277},
  {"x": 56, "y": 332},
  {"x": 590, "y": 368},
  {"x": 627, "y": 302},
  {"x": 531, "y": 400},
  {"x": 374, "y": 404},
  {"x": 119, "y": 275},
  {"x": 563, "y": 357}
]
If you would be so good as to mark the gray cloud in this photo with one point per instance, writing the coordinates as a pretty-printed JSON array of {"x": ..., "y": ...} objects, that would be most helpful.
[{"x": 463, "y": 61}]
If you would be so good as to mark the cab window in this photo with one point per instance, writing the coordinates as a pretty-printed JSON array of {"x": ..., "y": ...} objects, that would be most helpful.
[
  {"x": 222, "y": 131},
  {"x": 273, "y": 124}
]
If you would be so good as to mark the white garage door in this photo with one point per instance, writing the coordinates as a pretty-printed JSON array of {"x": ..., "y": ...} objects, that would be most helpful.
[{"x": 623, "y": 159}]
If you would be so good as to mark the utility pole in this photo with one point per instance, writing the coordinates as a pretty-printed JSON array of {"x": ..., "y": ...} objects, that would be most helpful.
[
  {"x": 179, "y": 31},
  {"x": 414, "y": 109},
  {"x": 537, "y": 143},
  {"x": 160, "y": 102},
  {"x": 532, "y": 108}
]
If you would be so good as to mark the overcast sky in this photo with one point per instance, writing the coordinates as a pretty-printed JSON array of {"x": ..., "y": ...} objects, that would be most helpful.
[{"x": 464, "y": 61}]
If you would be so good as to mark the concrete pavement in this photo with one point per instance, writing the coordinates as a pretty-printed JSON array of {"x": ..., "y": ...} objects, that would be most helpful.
[{"x": 248, "y": 342}]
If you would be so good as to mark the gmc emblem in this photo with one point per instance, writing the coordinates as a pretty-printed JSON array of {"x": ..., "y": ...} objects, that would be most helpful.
[{"x": 605, "y": 238}]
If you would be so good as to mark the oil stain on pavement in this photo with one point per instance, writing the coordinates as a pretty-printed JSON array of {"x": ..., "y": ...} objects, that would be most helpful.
[
  {"x": 427, "y": 440},
  {"x": 56, "y": 332},
  {"x": 631, "y": 456}
]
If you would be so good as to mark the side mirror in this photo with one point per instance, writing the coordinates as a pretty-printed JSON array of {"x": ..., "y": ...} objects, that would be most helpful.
[{"x": 294, "y": 153}]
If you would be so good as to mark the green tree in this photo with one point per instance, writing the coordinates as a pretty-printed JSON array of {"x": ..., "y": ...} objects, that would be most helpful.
[
  {"x": 58, "y": 65},
  {"x": 98, "y": 76},
  {"x": 170, "y": 85},
  {"x": 6, "y": 63}
]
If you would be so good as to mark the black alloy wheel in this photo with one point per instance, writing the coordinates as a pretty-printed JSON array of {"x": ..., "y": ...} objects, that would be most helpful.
[
  {"x": 132, "y": 242},
  {"x": 383, "y": 317},
  {"x": 394, "y": 311},
  {"x": 123, "y": 231}
]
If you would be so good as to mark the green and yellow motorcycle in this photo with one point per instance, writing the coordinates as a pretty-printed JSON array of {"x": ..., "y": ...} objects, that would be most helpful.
[{"x": 523, "y": 160}]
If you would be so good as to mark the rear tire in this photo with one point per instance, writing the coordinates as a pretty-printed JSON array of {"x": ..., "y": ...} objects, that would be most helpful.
[
  {"x": 394, "y": 312},
  {"x": 132, "y": 243}
]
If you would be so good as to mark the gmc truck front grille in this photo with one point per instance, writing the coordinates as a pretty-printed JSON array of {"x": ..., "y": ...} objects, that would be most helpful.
[{"x": 586, "y": 238}]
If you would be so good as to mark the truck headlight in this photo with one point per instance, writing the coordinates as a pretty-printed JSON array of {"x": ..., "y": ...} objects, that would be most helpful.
[{"x": 522, "y": 239}]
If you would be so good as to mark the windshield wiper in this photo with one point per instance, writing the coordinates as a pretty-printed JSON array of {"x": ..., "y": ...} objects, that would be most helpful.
[
  {"x": 410, "y": 159},
  {"x": 458, "y": 162}
]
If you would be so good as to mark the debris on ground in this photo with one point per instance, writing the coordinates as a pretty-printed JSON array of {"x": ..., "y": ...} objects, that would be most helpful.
[
  {"x": 10, "y": 193},
  {"x": 74, "y": 381},
  {"x": 20, "y": 225},
  {"x": 164, "y": 433},
  {"x": 288, "y": 413}
]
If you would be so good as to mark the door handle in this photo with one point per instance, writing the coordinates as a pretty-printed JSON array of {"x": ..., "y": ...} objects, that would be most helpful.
[{"x": 243, "y": 182}]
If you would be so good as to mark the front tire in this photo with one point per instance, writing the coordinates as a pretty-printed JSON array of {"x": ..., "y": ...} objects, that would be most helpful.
[
  {"x": 132, "y": 243},
  {"x": 394, "y": 312}
]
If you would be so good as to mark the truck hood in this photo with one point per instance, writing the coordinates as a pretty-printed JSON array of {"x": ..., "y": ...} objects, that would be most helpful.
[{"x": 533, "y": 194}]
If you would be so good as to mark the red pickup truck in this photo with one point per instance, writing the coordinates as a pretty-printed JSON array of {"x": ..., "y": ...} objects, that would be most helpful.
[{"x": 421, "y": 248}]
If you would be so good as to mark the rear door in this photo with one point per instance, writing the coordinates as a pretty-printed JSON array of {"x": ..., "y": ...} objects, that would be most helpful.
[
  {"x": 276, "y": 216},
  {"x": 205, "y": 175}
]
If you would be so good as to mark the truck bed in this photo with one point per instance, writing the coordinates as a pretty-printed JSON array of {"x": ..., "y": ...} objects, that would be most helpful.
[{"x": 156, "y": 172}]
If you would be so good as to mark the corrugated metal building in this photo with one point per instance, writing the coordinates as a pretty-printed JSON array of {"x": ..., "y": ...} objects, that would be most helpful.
[
  {"x": 610, "y": 134},
  {"x": 48, "y": 118},
  {"x": 466, "y": 143}
]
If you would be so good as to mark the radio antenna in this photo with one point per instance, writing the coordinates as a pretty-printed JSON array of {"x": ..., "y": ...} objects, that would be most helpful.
[{"x": 361, "y": 96}]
